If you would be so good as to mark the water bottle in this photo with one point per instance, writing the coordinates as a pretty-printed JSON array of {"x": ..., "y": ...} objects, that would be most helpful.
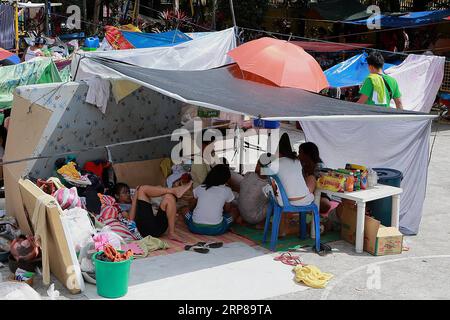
[{"x": 372, "y": 178}]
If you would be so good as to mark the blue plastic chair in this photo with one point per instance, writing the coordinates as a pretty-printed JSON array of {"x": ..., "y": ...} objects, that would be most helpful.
[{"x": 276, "y": 210}]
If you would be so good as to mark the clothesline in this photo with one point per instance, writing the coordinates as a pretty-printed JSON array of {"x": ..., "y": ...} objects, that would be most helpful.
[{"x": 320, "y": 40}]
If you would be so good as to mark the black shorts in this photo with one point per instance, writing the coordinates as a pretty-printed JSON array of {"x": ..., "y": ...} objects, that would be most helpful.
[{"x": 149, "y": 224}]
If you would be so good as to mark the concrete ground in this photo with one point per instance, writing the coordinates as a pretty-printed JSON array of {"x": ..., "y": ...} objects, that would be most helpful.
[{"x": 420, "y": 273}]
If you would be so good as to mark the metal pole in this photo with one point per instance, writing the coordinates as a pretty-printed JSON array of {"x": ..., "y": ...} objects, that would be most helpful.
[
  {"x": 214, "y": 15},
  {"x": 232, "y": 14},
  {"x": 46, "y": 19},
  {"x": 85, "y": 17}
]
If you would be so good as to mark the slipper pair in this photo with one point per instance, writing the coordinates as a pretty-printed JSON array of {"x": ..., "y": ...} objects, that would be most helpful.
[
  {"x": 203, "y": 247},
  {"x": 324, "y": 249}
]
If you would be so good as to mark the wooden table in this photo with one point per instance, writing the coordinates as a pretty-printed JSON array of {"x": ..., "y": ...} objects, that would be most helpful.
[{"x": 361, "y": 198}]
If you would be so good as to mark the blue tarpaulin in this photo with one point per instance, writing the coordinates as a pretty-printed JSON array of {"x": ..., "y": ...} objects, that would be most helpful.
[
  {"x": 351, "y": 72},
  {"x": 406, "y": 20},
  {"x": 149, "y": 40}
]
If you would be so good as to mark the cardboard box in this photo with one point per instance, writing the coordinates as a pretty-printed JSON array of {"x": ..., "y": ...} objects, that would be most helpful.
[
  {"x": 289, "y": 224},
  {"x": 378, "y": 239}
]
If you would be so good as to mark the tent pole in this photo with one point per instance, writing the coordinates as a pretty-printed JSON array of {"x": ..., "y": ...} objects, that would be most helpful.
[
  {"x": 16, "y": 25},
  {"x": 47, "y": 31},
  {"x": 232, "y": 14}
]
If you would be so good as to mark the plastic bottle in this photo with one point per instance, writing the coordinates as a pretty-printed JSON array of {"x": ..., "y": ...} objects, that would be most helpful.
[
  {"x": 358, "y": 180},
  {"x": 373, "y": 178},
  {"x": 364, "y": 182}
]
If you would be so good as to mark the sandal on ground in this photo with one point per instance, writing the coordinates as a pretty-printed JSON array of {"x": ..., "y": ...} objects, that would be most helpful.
[
  {"x": 214, "y": 245},
  {"x": 210, "y": 245},
  {"x": 289, "y": 259},
  {"x": 198, "y": 247},
  {"x": 324, "y": 249}
]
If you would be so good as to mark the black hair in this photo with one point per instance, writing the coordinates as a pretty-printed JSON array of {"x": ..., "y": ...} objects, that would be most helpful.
[
  {"x": 285, "y": 147},
  {"x": 39, "y": 40},
  {"x": 119, "y": 187},
  {"x": 4, "y": 134},
  {"x": 218, "y": 176},
  {"x": 311, "y": 150},
  {"x": 224, "y": 161},
  {"x": 375, "y": 59}
]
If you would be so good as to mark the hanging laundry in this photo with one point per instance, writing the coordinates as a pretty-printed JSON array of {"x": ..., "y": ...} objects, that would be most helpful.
[
  {"x": 98, "y": 93},
  {"x": 7, "y": 32}
]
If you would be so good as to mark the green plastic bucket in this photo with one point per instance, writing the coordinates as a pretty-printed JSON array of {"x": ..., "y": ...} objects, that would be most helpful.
[{"x": 111, "y": 277}]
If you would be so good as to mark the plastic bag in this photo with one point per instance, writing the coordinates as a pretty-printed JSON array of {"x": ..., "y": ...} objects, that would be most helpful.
[
  {"x": 85, "y": 256},
  {"x": 79, "y": 225},
  {"x": 107, "y": 236},
  {"x": 17, "y": 291},
  {"x": 52, "y": 293}
]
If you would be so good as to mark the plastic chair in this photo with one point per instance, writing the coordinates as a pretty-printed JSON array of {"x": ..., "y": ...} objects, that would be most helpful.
[{"x": 276, "y": 210}]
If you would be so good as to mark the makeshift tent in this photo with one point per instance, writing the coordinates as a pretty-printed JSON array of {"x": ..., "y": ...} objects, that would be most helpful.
[
  {"x": 351, "y": 72},
  {"x": 406, "y": 20},
  {"x": 200, "y": 54},
  {"x": 195, "y": 35},
  {"x": 41, "y": 70},
  {"x": 150, "y": 40},
  {"x": 419, "y": 78},
  {"x": 327, "y": 47},
  {"x": 10, "y": 57},
  {"x": 122, "y": 39},
  {"x": 219, "y": 89}
]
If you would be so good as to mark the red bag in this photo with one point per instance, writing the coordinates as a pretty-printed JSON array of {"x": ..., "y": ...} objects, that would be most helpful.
[{"x": 24, "y": 248}]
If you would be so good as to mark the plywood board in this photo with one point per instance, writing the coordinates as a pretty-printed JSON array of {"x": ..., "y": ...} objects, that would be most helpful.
[
  {"x": 140, "y": 173},
  {"x": 27, "y": 124},
  {"x": 62, "y": 263}
]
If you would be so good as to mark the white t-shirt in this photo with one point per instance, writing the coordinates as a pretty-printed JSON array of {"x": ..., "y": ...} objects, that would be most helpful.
[
  {"x": 30, "y": 54},
  {"x": 290, "y": 173},
  {"x": 209, "y": 209}
]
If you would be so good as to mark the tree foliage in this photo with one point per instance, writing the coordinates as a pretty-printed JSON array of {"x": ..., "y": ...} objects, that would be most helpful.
[{"x": 249, "y": 13}]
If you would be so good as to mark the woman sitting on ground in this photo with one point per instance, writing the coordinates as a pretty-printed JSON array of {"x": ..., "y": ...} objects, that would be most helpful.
[
  {"x": 289, "y": 170},
  {"x": 308, "y": 154},
  {"x": 149, "y": 224},
  {"x": 213, "y": 210}
]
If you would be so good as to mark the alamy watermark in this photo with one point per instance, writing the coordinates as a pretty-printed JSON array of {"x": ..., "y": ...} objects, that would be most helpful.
[
  {"x": 200, "y": 146},
  {"x": 373, "y": 22}
]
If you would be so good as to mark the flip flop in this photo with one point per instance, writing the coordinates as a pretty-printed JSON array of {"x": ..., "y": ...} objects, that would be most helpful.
[
  {"x": 289, "y": 259},
  {"x": 214, "y": 245},
  {"x": 198, "y": 247},
  {"x": 324, "y": 249}
]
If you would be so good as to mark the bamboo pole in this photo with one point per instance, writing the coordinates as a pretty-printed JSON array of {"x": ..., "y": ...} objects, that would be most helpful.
[{"x": 16, "y": 25}]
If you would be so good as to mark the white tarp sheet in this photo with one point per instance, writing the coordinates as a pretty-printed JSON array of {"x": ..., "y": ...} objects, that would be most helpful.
[
  {"x": 398, "y": 144},
  {"x": 207, "y": 52},
  {"x": 419, "y": 78}
]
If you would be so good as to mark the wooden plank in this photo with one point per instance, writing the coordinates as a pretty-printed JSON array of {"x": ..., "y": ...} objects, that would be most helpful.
[
  {"x": 61, "y": 263},
  {"x": 27, "y": 124}
]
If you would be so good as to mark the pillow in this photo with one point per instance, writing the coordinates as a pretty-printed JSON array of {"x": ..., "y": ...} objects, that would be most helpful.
[{"x": 67, "y": 198}]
